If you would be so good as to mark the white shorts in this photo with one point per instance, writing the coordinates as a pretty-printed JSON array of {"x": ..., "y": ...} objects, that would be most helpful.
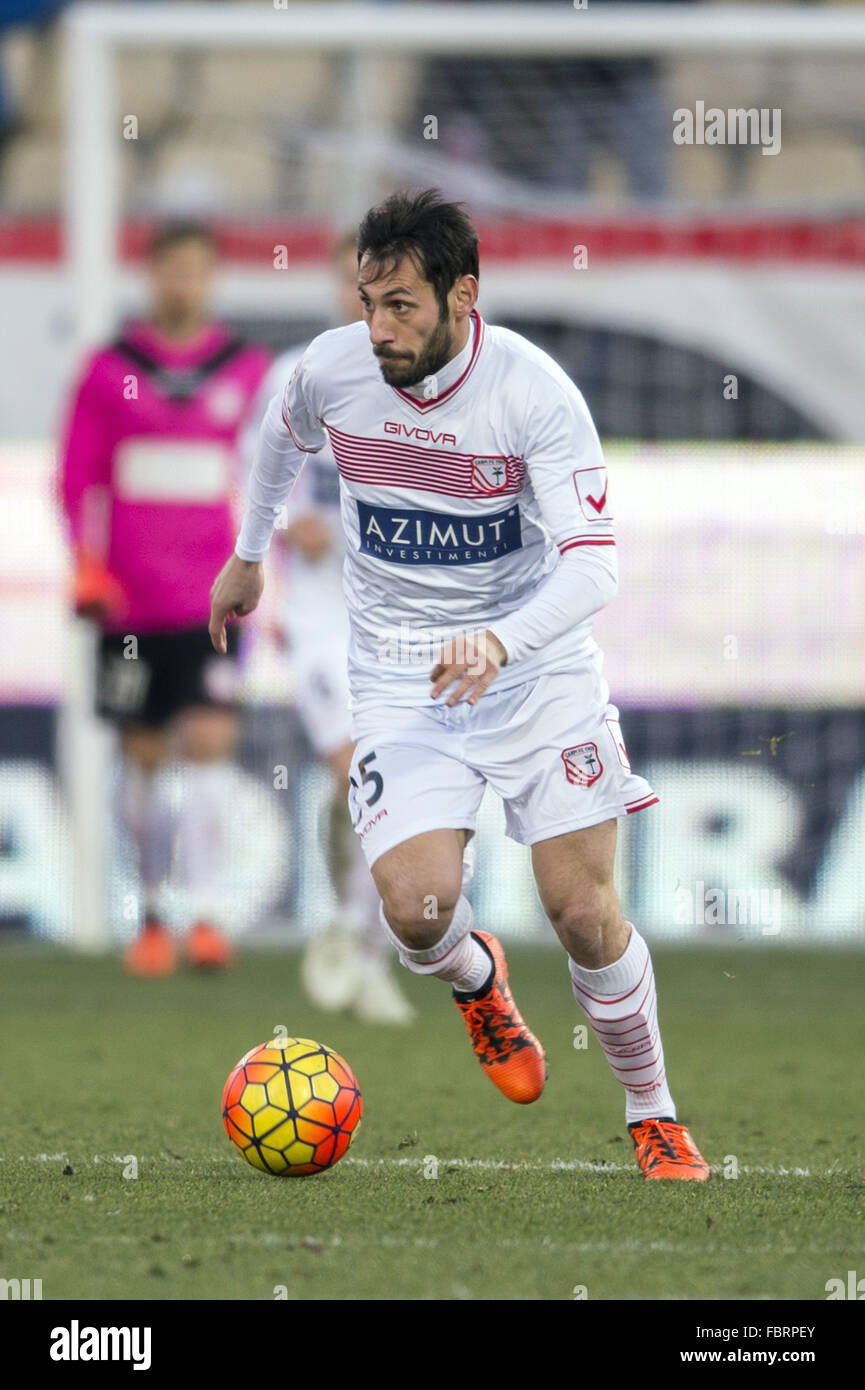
[{"x": 552, "y": 749}]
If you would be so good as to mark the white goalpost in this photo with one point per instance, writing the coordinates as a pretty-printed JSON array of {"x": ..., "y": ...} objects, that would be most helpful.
[{"x": 366, "y": 37}]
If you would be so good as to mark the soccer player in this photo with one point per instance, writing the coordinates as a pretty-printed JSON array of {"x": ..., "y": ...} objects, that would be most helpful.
[
  {"x": 347, "y": 966},
  {"x": 478, "y": 523},
  {"x": 149, "y": 470}
]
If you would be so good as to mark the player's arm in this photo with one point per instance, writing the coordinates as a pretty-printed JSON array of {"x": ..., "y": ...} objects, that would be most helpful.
[
  {"x": 568, "y": 475},
  {"x": 300, "y": 527},
  {"x": 566, "y": 466},
  {"x": 84, "y": 486},
  {"x": 290, "y": 430}
]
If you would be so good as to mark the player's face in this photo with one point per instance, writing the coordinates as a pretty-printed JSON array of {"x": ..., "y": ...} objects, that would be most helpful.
[
  {"x": 181, "y": 280},
  {"x": 410, "y": 335}
]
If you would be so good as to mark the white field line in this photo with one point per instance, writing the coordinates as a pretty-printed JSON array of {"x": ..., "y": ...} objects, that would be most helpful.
[
  {"x": 556, "y": 1165},
  {"x": 319, "y": 1244}
]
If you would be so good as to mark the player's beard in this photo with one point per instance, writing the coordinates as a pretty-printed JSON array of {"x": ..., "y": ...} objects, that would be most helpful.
[{"x": 399, "y": 370}]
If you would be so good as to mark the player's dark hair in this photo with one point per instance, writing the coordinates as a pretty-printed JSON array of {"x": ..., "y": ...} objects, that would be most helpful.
[
  {"x": 173, "y": 233},
  {"x": 437, "y": 236}
]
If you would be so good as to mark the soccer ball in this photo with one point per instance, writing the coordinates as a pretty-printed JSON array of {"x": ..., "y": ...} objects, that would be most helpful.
[{"x": 292, "y": 1107}]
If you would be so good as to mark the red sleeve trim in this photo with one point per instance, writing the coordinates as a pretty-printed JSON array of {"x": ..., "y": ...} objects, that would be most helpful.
[{"x": 571, "y": 545}]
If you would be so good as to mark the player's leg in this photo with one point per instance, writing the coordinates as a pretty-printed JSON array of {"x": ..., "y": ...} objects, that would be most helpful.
[
  {"x": 146, "y": 819},
  {"x": 356, "y": 956},
  {"x": 198, "y": 694},
  {"x": 403, "y": 796},
  {"x": 347, "y": 964},
  {"x": 557, "y": 756},
  {"x": 331, "y": 967},
  {"x": 609, "y": 962},
  {"x": 128, "y": 697},
  {"x": 614, "y": 984},
  {"x": 206, "y": 740}
]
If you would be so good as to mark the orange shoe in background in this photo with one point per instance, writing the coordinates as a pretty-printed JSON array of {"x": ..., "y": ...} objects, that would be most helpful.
[
  {"x": 510, "y": 1055},
  {"x": 153, "y": 953},
  {"x": 207, "y": 948},
  {"x": 665, "y": 1149}
]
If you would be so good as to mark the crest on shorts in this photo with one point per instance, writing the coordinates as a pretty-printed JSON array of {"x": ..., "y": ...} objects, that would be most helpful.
[
  {"x": 489, "y": 474},
  {"x": 583, "y": 766}
]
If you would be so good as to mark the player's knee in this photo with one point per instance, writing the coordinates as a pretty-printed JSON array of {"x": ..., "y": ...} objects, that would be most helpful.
[
  {"x": 419, "y": 919},
  {"x": 583, "y": 921}
]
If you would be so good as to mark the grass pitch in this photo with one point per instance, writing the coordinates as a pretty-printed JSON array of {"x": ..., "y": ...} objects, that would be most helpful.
[{"x": 764, "y": 1055}]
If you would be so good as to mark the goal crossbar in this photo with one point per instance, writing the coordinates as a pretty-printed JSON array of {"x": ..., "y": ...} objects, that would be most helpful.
[{"x": 484, "y": 29}]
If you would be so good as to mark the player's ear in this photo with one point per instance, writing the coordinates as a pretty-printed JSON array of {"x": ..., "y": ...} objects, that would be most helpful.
[{"x": 464, "y": 295}]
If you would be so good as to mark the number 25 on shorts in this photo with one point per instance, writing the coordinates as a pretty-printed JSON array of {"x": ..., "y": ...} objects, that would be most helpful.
[{"x": 359, "y": 798}]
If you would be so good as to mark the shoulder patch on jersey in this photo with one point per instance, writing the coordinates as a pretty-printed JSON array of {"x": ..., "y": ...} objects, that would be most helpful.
[{"x": 591, "y": 486}]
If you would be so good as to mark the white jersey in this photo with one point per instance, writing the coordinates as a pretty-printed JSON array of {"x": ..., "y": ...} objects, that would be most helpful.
[{"x": 477, "y": 501}]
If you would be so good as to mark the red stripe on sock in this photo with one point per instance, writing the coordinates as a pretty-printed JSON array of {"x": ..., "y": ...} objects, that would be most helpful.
[
  {"x": 644, "y": 1066},
  {"x": 617, "y": 999},
  {"x": 638, "y": 1012}
]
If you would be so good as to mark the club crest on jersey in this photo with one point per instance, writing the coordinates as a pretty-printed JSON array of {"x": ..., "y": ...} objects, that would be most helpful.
[
  {"x": 583, "y": 766},
  {"x": 406, "y": 536},
  {"x": 489, "y": 474}
]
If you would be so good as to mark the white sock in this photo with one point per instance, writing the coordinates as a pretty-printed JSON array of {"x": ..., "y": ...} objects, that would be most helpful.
[
  {"x": 457, "y": 957},
  {"x": 203, "y": 834},
  {"x": 621, "y": 1005},
  {"x": 148, "y": 822}
]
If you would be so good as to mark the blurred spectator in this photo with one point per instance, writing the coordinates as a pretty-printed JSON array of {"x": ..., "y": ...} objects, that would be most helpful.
[
  {"x": 40, "y": 14},
  {"x": 542, "y": 119}
]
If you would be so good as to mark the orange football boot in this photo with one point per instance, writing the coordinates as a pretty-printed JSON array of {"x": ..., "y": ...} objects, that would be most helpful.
[
  {"x": 665, "y": 1149},
  {"x": 510, "y": 1055},
  {"x": 153, "y": 953},
  {"x": 208, "y": 948}
]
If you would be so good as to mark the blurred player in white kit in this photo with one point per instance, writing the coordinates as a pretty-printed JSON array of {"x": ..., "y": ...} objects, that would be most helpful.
[
  {"x": 477, "y": 518},
  {"x": 347, "y": 966}
]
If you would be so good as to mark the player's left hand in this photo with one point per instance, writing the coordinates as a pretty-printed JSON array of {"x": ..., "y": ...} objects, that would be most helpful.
[{"x": 479, "y": 658}]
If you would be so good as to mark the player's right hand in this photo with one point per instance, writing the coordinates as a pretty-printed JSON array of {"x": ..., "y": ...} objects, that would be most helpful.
[{"x": 236, "y": 590}]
